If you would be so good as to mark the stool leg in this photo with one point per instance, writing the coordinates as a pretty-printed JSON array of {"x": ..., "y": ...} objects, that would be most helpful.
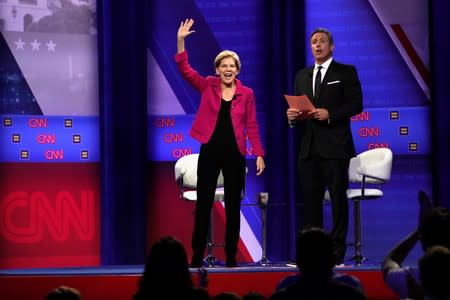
[
  {"x": 210, "y": 259},
  {"x": 358, "y": 258},
  {"x": 264, "y": 260}
]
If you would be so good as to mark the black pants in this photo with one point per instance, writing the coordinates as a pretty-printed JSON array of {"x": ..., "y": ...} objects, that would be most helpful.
[
  {"x": 315, "y": 175},
  {"x": 212, "y": 159}
]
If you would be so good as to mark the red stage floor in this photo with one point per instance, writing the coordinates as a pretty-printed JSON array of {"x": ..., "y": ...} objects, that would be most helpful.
[{"x": 118, "y": 283}]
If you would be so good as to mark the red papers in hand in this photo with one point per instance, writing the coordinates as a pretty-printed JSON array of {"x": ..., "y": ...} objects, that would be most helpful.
[{"x": 302, "y": 103}]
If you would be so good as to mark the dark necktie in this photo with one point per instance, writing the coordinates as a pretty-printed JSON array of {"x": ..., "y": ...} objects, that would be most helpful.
[{"x": 317, "y": 81}]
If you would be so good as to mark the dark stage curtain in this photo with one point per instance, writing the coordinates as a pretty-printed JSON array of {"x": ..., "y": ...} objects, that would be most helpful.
[
  {"x": 123, "y": 122},
  {"x": 440, "y": 99},
  {"x": 286, "y": 51}
]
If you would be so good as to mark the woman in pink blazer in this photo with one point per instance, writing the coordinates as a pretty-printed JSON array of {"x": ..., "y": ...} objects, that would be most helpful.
[{"x": 227, "y": 114}]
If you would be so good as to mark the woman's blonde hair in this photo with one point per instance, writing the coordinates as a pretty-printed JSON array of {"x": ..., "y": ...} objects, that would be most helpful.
[{"x": 225, "y": 54}]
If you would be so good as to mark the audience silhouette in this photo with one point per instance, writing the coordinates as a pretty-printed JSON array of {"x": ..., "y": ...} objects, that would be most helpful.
[
  {"x": 227, "y": 296},
  {"x": 64, "y": 293},
  {"x": 253, "y": 296},
  {"x": 315, "y": 259},
  {"x": 166, "y": 274},
  {"x": 434, "y": 269},
  {"x": 433, "y": 229}
]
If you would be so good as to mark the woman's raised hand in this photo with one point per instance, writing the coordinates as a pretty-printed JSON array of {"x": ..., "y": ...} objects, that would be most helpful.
[{"x": 184, "y": 29}]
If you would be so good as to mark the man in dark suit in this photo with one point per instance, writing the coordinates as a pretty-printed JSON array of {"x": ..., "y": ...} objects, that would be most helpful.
[{"x": 327, "y": 143}]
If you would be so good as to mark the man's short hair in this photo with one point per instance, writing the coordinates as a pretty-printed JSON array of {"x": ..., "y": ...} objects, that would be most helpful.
[{"x": 323, "y": 30}]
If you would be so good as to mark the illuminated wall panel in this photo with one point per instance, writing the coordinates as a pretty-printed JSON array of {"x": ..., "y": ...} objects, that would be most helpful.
[{"x": 49, "y": 132}]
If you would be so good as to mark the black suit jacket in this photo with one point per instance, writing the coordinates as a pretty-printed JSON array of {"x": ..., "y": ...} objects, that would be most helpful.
[{"x": 340, "y": 93}]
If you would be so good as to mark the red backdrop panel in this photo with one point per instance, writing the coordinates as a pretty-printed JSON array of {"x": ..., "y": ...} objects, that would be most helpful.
[{"x": 49, "y": 215}]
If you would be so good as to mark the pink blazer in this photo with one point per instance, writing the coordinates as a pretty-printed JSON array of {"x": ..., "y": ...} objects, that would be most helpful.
[{"x": 243, "y": 109}]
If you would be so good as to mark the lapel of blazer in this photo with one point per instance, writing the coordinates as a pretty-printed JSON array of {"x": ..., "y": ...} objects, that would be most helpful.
[
  {"x": 309, "y": 87},
  {"x": 238, "y": 93}
]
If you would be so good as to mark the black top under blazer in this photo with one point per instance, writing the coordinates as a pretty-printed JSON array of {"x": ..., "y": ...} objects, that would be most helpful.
[{"x": 340, "y": 93}]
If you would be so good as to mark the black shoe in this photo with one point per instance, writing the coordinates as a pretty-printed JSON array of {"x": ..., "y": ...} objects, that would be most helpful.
[
  {"x": 196, "y": 262},
  {"x": 195, "y": 265},
  {"x": 340, "y": 263},
  {"x": 231, "y": 263}
]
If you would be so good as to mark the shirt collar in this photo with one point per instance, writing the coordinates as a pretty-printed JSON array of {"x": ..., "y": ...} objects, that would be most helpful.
[{"x": 325, "y": 65}]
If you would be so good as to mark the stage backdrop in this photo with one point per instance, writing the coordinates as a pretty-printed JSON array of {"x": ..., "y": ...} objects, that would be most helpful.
[
  {"x": 49, "y": 189},
  {"x": 389, "y": 48}
]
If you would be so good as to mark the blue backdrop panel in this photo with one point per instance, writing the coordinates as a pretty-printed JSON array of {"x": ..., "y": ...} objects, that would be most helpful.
[
  {"x": 170, "y": 140},
  {"x": 361, "y": 39},
  {"x": 49, "y": 139}
]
